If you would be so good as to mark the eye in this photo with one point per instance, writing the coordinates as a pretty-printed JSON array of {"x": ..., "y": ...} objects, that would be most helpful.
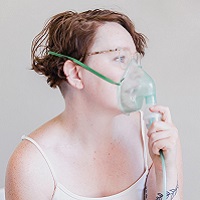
[{"x": 120, "y": 59}]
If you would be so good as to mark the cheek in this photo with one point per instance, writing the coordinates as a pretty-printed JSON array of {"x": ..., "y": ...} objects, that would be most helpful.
[
  {"x": 100, "y": 91},
  {"x": 107, "y": 95},
  {"x": 107, "y": 68},
  {"x": 97, "y": 86}
]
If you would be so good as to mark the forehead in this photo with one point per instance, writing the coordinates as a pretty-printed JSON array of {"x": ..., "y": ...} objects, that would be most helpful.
[{"x": 112, "y": 35}]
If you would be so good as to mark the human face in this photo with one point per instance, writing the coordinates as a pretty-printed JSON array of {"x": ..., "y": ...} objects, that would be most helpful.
[{"x": 109, "y": 36}]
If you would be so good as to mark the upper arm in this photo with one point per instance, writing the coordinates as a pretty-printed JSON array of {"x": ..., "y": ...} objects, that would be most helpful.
[{"x": 27, "y": 175}]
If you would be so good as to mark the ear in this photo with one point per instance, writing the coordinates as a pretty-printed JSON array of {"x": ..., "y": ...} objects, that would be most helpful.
[{"x": 72, "y": 72}]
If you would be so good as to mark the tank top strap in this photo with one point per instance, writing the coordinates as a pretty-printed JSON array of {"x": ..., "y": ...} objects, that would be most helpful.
[
  {"x": 143, "y": 138},
  {"x": 24, "y": 137}
]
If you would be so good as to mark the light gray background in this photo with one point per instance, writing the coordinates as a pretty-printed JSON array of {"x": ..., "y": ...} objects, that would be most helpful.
[{"x": 173, "y": 57}]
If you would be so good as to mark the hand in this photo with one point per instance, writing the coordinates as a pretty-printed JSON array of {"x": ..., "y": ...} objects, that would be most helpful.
[{"x": 163, "y": 135}]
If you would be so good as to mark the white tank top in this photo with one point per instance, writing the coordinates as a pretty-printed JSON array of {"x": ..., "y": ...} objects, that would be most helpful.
[{"x": 134, "y": 192}]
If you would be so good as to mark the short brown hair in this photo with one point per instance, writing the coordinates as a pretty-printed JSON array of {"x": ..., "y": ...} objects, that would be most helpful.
[{"x": 72, "y": 34}]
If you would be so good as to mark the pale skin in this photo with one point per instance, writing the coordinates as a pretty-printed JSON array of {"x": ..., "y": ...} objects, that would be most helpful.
[{"x": 91, "y": 154}]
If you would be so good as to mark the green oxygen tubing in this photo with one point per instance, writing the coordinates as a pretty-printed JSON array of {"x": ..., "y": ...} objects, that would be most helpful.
[{"x": 134, "y": 88}]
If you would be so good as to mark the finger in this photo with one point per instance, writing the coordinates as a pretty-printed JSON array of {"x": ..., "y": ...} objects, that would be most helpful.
[
  {"x": 164, "y": 144},
  {"x": 154, "y": 137},
  {"x": 159, "y": 126},
  {"x": 166, "y": 116}
]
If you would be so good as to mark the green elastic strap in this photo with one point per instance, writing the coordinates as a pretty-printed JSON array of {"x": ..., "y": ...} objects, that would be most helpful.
[{"x": 85, "y": 67}]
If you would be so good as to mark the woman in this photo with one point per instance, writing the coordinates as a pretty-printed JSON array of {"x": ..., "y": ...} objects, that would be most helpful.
[{"x": 92, "y": 150}]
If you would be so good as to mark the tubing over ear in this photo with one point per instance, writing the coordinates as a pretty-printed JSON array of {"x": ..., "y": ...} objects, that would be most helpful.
[{"x": 73, "y": 74}]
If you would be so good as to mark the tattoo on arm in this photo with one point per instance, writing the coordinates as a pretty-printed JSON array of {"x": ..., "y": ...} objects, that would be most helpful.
[
  {"x": 170, "y": 194},
  {"x": 145, "y": 193}
]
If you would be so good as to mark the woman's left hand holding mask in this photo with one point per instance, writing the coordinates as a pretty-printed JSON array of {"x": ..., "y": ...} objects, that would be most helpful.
[{"x": 163, "y": 135}]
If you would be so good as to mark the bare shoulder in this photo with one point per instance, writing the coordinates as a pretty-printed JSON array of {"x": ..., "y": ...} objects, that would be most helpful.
[{"x": 28, "y": 175}]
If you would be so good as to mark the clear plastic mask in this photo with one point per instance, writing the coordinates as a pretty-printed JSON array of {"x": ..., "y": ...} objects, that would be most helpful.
[{"x": 136, "y": 86}]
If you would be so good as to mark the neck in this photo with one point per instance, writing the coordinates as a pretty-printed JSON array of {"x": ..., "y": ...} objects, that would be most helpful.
[
  {"x": 87, "y": 122},
  {"x": 90, "y": 123}
]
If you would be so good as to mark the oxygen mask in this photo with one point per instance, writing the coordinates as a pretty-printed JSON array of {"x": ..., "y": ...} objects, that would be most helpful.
[{"x": 136, "y": 88}]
